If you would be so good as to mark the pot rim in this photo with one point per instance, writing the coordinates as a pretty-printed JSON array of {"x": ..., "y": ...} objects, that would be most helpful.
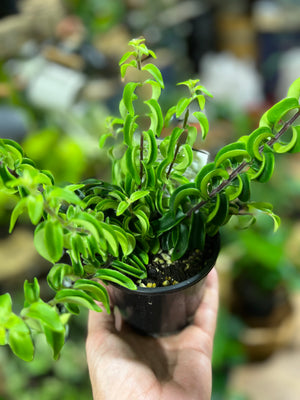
[{"x": 144, "y": 291}]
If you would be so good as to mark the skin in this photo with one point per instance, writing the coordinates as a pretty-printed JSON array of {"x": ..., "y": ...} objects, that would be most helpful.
[{"x": 125, "y": 365}]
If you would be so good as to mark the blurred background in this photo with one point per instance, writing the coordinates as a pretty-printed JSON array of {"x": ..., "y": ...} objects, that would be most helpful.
[{"x": 59, "y": 80}]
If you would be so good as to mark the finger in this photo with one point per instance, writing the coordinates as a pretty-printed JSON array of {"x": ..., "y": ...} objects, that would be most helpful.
[
  {"x": 100, "y": 323},
  {"x": 206, "y": 315}
]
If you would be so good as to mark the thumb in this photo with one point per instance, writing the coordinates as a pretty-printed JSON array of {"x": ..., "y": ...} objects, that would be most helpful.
[{"x": 100, "y": 323}]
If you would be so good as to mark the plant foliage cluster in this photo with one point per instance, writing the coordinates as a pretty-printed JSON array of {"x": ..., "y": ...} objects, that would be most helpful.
[{"x": 107, "y": 230}]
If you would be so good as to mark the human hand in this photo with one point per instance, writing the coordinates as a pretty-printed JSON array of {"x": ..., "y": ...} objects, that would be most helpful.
[{"x": 127, "y": 366}]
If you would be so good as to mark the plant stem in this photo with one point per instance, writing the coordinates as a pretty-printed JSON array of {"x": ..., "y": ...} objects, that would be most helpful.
[
  {"x": 242, "y": 166},
  {"x": 282, "y": 130}
]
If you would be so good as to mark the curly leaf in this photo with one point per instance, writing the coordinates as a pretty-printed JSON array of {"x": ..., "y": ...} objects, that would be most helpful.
[
  {"x": 111, "y": 238},
  {"x": 192, "y": 135},
  {"x": 220, "y": 212},
  {"x": 97, "y": 291},
  {"x": 235, "y": 188},
  {"x": 267, "y": 209},
  {"x": 286, "y": 147},
  {"x": 31, "y": 291},
  {"x": 294, "y": 89},
  {"x": 17, "y": 211},
  {"x": 182, "y": 193},
  {"x": 296, "y": 148},
  {"x": 235, "y": 150},
  {"x": 109, "y": 275},
  {"x": 143, "y": 221},
  {"x": 257, "y": 139},
  {"x": 197, "y": 235},
  {"x": 168, "y": 221},
  {"x": 278, "y": 111},
  {"x": 57, "y": 274},
  {"x": 129, "y": 96},
  {"x": 77, "y": 297},
  {"x": 268, "y": 167},
  {"x": 53, "y": 237},
  {"x": 131, "y": 154},
  {"x": 64, "y": 194},
  {"x": 206, "y": 175},
  {"x": 156, "y": 116},
  {"x": 152, "y": 147},
  {"x": 129, "y": 129},
  {"x": 245, "y": 193},
  {"x": 203, "y": 121},
  {"x": 155, "y": 72},
  {"x": 128, "y": 269},
  {"x": 182, "y": 244},
  {"x": 186, "y": 156}
]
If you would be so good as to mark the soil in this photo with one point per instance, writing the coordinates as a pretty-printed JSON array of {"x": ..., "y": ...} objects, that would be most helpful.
[{"x": 164, "y": 272}]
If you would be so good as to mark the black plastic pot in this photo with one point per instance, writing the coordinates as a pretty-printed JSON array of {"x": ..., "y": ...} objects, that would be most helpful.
[{"x": 165, "y": 310}]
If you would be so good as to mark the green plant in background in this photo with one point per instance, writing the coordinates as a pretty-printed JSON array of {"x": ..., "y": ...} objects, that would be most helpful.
[
  {"x": 260, "y": 258},
  {"x": 98, "y": 15},
  {"x": 98, "y": 231}
]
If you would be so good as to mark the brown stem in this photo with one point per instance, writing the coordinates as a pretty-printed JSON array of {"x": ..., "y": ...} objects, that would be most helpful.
[{"x": 242, "y": 166}]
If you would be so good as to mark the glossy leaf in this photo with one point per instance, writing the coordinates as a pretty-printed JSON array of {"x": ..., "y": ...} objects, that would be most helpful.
[
  {"x": 31, "y": 291},
  {"x": 182, "y": 105},
  {"x": 185, "y": 157},
  {"x": 77, "y": 297},
  {"x": 128, "y": 269},
  {"x": 287, "y": 146},
  {"x": 198, "y": 233},
  {"x": 97, "y": 291},
  {"x": 182, "y": 244},
  {"x": 57, "y": 274},
  {"x": 155, "y": 72},
  {"x": 156, "y": 116},
  {"x": 109, "y": 275},
  {"x": 131, "y": 164},
  {"x": 122, "y": 207},
  {"x": 278, "y": 111},
  {"x": 269, "y": 164},
  {"x": 206, "y": 184},
  {"x": 138, "y": 195},
  {"x": 245, "y": 193},
  {"x": 19, "y": 339},
  {"x": 220, "y": 213},
  {"x": 235, "y": 188},
  {"x": 130, "y": 127},
  {"x": 129, "y": 96},
  {"x": 203, "y": 121},
  {"x": 235, "y": 150},
  {"x": 35, "y": 206},
  {"x": 181, "y": 194},
  {"x": 64, "y": 194},
  {"x": 53, "y": 238},
  {"x": 257, "y": 139},
  {"x": 151, "y": 156},
  {"x": 17, "y": 211},
  {"x": 294, "y": 89},
  {"x": 143, "y": 221}
]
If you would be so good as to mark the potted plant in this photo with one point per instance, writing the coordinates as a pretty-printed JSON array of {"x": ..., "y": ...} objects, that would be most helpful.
[{"x": 151, "y": 213}]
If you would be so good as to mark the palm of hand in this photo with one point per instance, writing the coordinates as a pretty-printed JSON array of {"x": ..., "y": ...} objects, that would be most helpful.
[{"x": 124, "y": 365}]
